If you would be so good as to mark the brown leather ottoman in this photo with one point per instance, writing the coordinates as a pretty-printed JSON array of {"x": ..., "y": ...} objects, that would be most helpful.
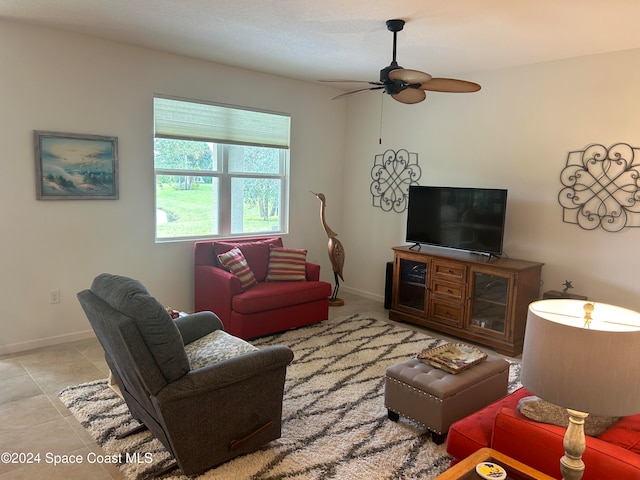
[{"x": 436, "y": 399}]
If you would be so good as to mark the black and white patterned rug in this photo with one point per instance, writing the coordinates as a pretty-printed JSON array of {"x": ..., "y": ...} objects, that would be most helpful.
[{"x": 334, "y": 421}]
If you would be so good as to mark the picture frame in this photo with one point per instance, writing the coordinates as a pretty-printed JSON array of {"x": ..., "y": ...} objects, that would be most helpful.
[{"x": 72, "y": 166}]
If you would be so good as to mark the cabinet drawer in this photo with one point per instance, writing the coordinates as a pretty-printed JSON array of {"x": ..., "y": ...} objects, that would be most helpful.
[
  {"x": 452, "y": 291},
  {"x": 446, "y": 313},
  {"x": 453, "y": 272}
]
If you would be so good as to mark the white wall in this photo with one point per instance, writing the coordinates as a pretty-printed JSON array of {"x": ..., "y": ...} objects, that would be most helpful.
[
  {"x": 515, "y": 133},
  {"x": 69, "y": 83}
]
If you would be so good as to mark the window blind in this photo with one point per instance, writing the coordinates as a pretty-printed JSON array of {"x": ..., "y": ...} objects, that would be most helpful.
[{"x": 219, "y": 123}]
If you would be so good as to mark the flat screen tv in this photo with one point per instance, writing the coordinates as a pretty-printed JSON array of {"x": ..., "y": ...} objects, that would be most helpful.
[{"x": 457, "y": 217}]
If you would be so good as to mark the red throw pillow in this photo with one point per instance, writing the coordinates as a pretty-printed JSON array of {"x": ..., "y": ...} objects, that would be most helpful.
[
  {"x": 286, "y": 264},
  {"x": 234, "y": 261}
]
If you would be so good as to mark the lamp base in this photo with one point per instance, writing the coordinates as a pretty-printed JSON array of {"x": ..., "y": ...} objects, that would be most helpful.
[{"x": 571, "y": 464}]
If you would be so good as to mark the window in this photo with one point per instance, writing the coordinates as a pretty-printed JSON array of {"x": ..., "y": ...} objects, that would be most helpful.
[{"x": 219, "y": 170}]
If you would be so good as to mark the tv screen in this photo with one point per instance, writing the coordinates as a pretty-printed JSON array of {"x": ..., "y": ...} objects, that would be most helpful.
[{"x": 456, "y": 217}]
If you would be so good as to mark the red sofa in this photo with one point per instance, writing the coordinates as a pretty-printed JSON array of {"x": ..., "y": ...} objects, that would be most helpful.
[
  {"x": 615, "y": 454},
  {"x": 264, "y": 308}
]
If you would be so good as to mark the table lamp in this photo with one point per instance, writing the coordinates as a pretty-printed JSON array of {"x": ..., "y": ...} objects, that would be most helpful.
[{"x": 583, "y": 357}]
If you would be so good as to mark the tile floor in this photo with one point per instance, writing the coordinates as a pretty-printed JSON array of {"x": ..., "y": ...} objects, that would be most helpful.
[{"x": 33, "y": 420}]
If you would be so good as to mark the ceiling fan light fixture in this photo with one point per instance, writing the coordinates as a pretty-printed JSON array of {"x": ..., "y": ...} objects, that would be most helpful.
[{"x": 410, "y": 95}]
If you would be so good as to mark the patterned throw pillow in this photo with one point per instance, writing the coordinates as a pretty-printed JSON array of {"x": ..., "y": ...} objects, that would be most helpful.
[
  {"x": 216, "y": 347},
  {"x": 286, "y": 264},
  {"x": 234, "y": 261}
]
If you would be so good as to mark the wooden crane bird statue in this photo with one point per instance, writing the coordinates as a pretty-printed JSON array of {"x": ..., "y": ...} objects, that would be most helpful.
[{"x": 336, "y": 253}]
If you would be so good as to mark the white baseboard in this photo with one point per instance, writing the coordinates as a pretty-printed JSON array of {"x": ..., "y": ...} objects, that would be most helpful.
[
  {"x": 362, "y": 293},
  {"x": 45, "y": 342},
  {"x": 72, "y": 337}
]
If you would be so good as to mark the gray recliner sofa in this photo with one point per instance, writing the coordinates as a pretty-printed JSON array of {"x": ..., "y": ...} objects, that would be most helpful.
[{"x": 207, "y": 396}]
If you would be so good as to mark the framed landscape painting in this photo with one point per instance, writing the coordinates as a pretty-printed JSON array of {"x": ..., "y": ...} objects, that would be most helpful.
[{"x": 72, "y": 166}]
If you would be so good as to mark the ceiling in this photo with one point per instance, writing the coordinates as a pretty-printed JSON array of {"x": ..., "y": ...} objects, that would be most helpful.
[{"x": 348, "y": 39}]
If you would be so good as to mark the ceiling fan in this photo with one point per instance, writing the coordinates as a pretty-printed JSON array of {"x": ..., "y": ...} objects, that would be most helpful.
[{"x": 408, "y": 86}]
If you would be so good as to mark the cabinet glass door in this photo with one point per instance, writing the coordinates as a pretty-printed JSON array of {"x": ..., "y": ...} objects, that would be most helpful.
[
  {"x": 412, "y": 284},
  {"x": 489, "y": 301}
]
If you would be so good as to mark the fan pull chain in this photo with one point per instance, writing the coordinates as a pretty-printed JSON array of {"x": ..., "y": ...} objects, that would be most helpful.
[{"x": 381, "y": 108}]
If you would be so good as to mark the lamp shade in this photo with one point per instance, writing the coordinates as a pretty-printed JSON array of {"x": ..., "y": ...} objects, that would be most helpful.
[{"x": 593, "y": 369}]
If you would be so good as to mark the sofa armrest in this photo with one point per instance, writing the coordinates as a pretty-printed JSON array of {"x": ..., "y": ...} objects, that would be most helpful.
[
  {"x": 197, "y": 325},
  {"x": 312, "y": 272},
  {"x": 540, "y": 446},
  {"x": 228, "y": 372},
  {"x": 214, "y": 290},
  {"x": 474, "y": 432}
]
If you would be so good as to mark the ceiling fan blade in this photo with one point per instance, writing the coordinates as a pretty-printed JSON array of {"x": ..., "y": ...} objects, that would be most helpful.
[
  {"x": 357, "y": 91},
  {"x": 410, "y": 95},
  {"x": 409, "y": 76},
  {"x": 351, "y": 81},
  {"x": 450, "y": 85}
]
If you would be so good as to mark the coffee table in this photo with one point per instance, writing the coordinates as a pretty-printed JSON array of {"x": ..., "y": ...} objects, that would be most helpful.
[{"x": 466, "y": 469}]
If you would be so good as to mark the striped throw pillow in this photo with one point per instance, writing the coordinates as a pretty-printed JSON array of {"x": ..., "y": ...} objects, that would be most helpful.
[
  {"x": 234, "y": 261},
  {"x": 286, "y": 264}
]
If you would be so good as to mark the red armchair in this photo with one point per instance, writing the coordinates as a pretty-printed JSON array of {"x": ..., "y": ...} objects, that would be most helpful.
[{"x": 264, "y": 308}]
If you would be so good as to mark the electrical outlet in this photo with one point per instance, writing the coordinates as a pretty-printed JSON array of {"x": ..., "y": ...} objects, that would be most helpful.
[{"x": 54, "y": 296}]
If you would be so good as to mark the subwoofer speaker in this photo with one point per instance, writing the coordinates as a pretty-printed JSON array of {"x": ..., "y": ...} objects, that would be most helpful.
[{"x": 388, "y": 285}]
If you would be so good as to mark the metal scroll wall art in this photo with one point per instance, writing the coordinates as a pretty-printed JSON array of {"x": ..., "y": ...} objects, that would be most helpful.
[
  {"x": 602, "y": 187},
  {"x": 392, "y": 173}
]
